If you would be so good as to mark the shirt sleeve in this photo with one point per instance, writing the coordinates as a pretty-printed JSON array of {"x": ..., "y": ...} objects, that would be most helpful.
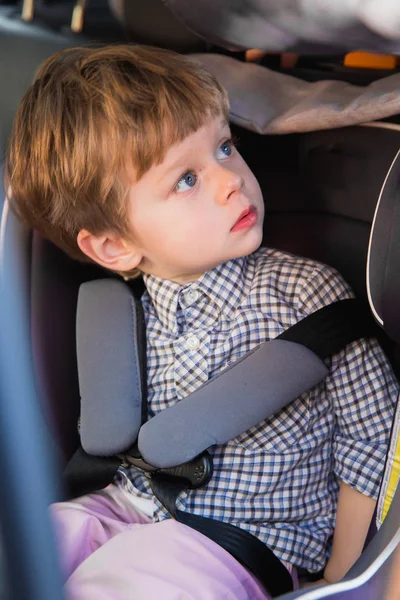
[{"x": 363, "y": 391}]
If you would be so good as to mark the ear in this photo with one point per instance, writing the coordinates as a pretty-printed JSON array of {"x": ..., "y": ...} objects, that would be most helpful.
[{"x": 109, "y": 250}]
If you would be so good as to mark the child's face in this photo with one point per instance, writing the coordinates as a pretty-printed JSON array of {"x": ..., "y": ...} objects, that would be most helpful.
[{"x": 200, "y": 207}]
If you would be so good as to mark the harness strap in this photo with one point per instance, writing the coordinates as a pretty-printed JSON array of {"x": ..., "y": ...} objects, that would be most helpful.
[
  {"x": 323, "y": 333},
  {"x": 242, "y": 545},
  {"x": 112, "y": 378},
  {"x": 259, "y": 384},
  {"x": 85, "y": 473},
  {"x": 329, "y": 329}
]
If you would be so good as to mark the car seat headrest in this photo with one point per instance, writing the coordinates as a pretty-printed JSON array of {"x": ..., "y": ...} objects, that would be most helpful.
[{"x": 383, "y": 263}]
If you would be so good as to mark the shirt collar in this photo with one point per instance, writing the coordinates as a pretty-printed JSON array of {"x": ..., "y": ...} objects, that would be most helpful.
[{"x": 225, "y": 285}]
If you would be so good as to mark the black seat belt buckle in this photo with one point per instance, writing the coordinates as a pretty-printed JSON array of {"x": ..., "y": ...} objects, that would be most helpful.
[{"x": 197, "y": 472}]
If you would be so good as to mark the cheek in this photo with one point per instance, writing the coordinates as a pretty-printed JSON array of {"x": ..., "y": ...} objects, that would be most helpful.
[
  {"x": 251, "y": 182},
  {"x": 192, "y": 236},
  {"x": 248, "y": 176},
  {"x": 165, "y": 232}
]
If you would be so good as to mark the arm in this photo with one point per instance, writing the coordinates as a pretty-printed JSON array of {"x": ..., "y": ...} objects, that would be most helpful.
[
  {"x": 354, "y": 514},
  {"x": 363, "y": 391},
  {"x": 353, "y": 517}
]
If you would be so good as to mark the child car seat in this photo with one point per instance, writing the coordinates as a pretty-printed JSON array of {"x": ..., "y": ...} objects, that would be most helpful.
[
  {"x": 367, "y": 578},
  {"x": 313, "y": 209}
]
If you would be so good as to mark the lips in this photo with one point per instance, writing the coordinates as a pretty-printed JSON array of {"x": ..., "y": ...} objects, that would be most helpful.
[{"x": 246, "y": 219}]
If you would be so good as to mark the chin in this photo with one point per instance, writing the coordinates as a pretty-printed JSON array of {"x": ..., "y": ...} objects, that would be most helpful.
[
  {"x": 253, "y": 243},
  {"x": 244, "y": 252}
]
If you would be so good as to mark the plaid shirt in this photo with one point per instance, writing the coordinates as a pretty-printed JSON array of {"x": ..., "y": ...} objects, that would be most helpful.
[{"x": 279, "y": 479}]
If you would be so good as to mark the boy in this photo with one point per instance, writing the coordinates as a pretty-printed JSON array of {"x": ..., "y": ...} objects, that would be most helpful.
[{"x": 123, "y": 156}]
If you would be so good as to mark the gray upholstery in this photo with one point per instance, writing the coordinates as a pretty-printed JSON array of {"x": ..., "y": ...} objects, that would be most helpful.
[
  {"x": 25, "y": 444},
  {"x": 22, "y": 49},
  {"x": 108, "y": 366},
  {"x": 384, "y": 254}
]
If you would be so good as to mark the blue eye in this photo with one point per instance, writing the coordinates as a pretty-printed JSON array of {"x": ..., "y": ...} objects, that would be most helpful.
[
  {"x": 186, "y": 182},
  {"x": 225, "y": 149}
]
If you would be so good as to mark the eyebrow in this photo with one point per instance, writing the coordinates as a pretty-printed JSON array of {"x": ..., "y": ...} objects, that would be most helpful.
[{"x": 179, "y": 163}]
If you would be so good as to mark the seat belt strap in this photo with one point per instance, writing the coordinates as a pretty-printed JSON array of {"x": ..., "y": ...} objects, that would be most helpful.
[
  {"x": 242, "y": 545},
  {"x": 84, "y": 473},
  {"x": 329, "y": 329},
  {"x": 324, "y": 332},
  {"x": 259, "y": 384}
]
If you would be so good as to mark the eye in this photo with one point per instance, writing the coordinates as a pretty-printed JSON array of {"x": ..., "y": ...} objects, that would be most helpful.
[
  {"x": 187, "y": 181},
  {"x": 225, "y": 149}
]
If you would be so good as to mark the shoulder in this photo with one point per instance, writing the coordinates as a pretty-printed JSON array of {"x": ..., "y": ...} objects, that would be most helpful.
[{"x": 306, "y": 285}]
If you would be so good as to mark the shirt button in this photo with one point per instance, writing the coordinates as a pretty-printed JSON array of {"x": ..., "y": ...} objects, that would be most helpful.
[
  {"x": 192, "y": 343},
  {"x": 192, "y": 296}
]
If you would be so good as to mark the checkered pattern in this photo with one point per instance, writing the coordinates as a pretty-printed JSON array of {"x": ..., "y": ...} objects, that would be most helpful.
[{"x": 278, "y": 480}]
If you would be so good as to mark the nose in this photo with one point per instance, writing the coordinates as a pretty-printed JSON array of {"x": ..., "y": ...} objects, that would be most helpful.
[{"x": 230, "y": 183}]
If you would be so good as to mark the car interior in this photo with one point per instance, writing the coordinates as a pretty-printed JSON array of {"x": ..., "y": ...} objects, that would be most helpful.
[{"x": 331, "y": 194}]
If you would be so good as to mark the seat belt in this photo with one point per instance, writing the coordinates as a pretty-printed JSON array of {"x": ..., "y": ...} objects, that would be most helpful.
[
  {"x": 323, "y": 333},
  {"x": 112, "y": 379},
  {"x": 246, "y": 548}
]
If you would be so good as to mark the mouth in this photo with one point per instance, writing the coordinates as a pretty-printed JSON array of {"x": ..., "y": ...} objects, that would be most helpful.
[{"x": 246, "y": 219}]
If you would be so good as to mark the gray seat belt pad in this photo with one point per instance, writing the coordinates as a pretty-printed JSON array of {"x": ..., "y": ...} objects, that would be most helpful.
[
  {"x": 108, "y": 367},
  {"x": 249, "y": 391}
]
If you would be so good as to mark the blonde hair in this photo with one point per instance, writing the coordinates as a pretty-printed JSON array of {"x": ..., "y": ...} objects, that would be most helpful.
[{"x": 91, "y": 115}]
